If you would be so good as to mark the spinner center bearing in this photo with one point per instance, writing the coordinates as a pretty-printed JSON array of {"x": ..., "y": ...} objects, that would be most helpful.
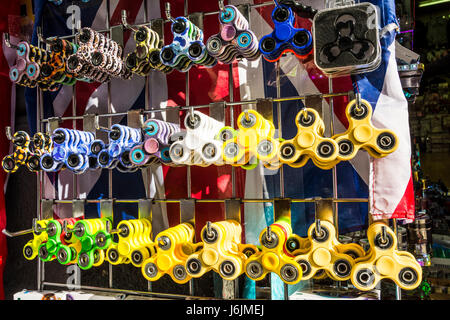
[
  {"x": 9, "y": 164},
  {"x": 301, "y": 38},
  {"x": 167, "y": 54},
  {"x": 248, "y": 120},
  {"x": 179, "y": 26},
  {"x": 141, "y": 34},
  {"x": 192, "y": 122},
  {"x": 281, "y": 14},
  {"x": 209, "y": 150},
  {"x": 195, "y": 50},
  {"x": 211, "y": 236}
]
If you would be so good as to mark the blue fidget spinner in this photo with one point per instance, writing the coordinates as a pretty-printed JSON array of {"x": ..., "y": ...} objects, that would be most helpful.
[
  {"x": 117, "y": 155},
  {"x": 285, "y": 37},
  {"x": 71, "y": 149},
  {"x": 187, "y": 47}
]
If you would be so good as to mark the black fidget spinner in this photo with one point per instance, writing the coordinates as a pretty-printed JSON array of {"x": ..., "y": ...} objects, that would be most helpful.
[
  {"x": 346, "y": 41},
  {"x": 354, "y": 46}
]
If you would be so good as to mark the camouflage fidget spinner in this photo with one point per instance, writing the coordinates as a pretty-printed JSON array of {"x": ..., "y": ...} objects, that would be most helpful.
[
  {"x": 117, "y": 154},
  {"x": 71, "y": 150},
  {"x": 187, "y": 48}
]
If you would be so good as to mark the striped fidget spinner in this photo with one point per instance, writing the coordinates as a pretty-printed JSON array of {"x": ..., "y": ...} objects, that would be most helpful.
[{"x": 234, "y": 40}]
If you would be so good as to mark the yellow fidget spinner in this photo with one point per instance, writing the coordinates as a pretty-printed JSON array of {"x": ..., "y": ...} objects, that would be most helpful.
[
  {"x": 174, "y": 246},
  {"x": 31, "y": 248},
  {"x": 252, "y": 142},
  {"x": 323, "y": 253},
  {"x": 222, "y": 251},
  {"x": 273, "y": 256},
  {"x": 383, "y": 260},
  {"x": 362, "y": 134},
  {"x": 309, "y": 143},
  {"x": 134, "y": 243}
]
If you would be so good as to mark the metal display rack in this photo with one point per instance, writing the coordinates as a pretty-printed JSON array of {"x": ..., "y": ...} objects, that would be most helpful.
[{"x": 44, "y": 206}]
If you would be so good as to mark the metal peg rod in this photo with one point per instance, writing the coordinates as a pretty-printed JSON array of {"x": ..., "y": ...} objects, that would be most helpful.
[
  {"x": 358, "y": 102},
  {"x": 17, "y": 233},
  {"x": 383, "y": 234},
  {"x": 269, "y": 234},
  {"x": 208, "y": 229},
  {"x": 318, "y": 227}
]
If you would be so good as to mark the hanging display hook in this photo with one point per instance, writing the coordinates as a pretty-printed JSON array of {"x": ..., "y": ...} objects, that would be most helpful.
[
  {"x": 168, "y": 15},
  {"x": 221, "y": 5},
  {"x": 8, "y": 42},
  {"x": 125, "y": 22}
]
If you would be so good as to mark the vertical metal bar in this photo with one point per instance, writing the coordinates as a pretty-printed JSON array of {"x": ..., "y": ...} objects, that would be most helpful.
[
  {"x": 147, "y": 107},
  {"x": 286, "y": 288},
  {"x": 39, "y": 177},
  {"x": 189, "y": 189},
  {"x": 398, "y": 290},
  {"x": 231, "y": 93},
  {"x": 74, "y": 122},
  {"x": 333, "y": 170},
  {"x": 110, "y": 193}
]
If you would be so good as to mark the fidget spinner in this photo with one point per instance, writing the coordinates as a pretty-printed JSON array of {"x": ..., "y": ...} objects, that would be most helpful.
[
  {"x": 93, "y": 238},
  {"x": 234, "y": 40},
  {"x": 253, "y": 142},
  {"x": 273, "y": 257},
  {"x": 70, "y": 150},
  {"x": 187, "y": 48},
  {"x": 27, "y": 70},
  {"x": 134, "y": 243},
  {"x": 25, "y": 152},
  {"x": 285, "y": 37},
  {"x": 98, "y": 58},
  {"x": 40, "y": 236},
  {"x": 156, "y": 145},
  {"x": 57, "y": 237},
  {"x": 117, "y": 155},
  {"x": 222, "y": 251},
  {"x": 199, "y": 145},
  {"x": 174, "y": 246},
  {"x": 383, "y": 260},
  {"x": 146, "y": 56},
  {"x": 325, "y": 252},
  {"x": 346, "y": 40},
  {"x": 362, "y": 134},
  {"x": 309, "y": 143}
]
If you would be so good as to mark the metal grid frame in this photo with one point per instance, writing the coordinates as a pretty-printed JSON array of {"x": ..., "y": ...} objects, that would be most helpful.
[{"x": 41, "y": 121}]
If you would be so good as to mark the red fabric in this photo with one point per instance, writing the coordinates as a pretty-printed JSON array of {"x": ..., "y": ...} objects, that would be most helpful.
[{"x": 6, "y": 8}]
